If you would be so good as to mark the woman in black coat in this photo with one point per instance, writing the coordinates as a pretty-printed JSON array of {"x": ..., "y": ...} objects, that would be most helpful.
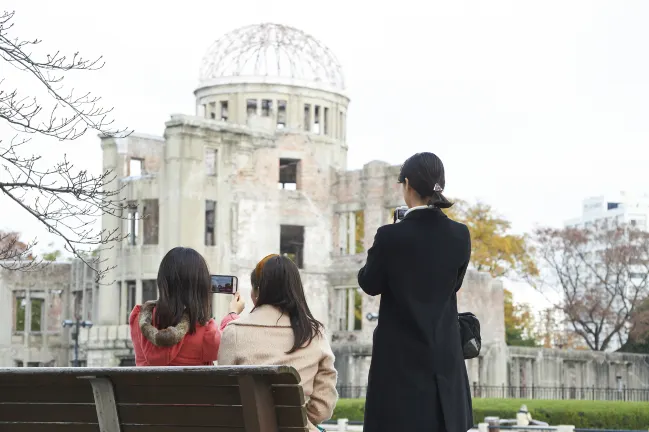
[{"x": 418, "y": 379}]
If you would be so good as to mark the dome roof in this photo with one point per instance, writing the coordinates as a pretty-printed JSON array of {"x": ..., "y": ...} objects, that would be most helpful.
[{"x": 272, "y": 51}]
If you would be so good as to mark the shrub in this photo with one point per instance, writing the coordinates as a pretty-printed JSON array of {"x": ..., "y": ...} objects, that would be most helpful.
[{"x": 581, "y": 414}]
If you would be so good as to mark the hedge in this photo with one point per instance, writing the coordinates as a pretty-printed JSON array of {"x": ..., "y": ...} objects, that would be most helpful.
[{"x": 581, "y": 414}]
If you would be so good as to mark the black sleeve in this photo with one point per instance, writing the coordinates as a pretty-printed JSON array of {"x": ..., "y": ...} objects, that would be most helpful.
[
  {"x": 462, "y": 271},
  {"x": 372, "y": 278}
]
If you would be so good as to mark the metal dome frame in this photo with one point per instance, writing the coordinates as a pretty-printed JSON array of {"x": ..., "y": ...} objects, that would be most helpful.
[{"x": 271, "y": 50}]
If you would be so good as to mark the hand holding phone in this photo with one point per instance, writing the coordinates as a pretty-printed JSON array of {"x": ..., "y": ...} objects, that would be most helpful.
[{"x": 237, "y": 304}]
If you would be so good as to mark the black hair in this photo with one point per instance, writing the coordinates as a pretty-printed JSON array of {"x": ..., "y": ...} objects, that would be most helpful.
[
  {"x": 184, "y": 284},
  {"x": 424, "y": 171},
  {"x": 279, "y": 284}
]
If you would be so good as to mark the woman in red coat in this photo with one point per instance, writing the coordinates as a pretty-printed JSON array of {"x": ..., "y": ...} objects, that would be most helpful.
[{"x": 177, "y": 330}]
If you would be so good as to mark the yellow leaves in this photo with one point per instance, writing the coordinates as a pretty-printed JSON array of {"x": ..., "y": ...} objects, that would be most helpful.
[
  {"x": 360, "y": 231},
  {"x": 494, "y": 249},
  {"x": 519, "y": 323}
]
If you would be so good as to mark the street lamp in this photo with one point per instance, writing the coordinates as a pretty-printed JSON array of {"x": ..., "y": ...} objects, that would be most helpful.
[
  {"x": 372, "y": 316},
  {"x": 75, "y": 335}
]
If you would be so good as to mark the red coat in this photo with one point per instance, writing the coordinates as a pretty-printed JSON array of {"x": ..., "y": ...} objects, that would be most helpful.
[{"x": 198, "y": 349}]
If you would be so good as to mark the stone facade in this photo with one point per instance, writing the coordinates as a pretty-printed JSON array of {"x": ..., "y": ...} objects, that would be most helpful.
[{"x": 33, "y": 305}]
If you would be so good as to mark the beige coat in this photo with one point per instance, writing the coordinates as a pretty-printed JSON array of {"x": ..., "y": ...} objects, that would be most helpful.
[{"x": 263, "y": 338}]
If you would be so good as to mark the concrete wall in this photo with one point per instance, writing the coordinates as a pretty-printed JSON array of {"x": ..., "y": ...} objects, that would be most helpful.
[{"x": 578, "y": 372}]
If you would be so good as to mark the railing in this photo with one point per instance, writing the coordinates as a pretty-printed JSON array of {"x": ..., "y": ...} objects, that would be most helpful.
[
  {"x": 351, "y": 392},
  {"x": 560, "y": 393},
  {"x": 533, "y": 392}
]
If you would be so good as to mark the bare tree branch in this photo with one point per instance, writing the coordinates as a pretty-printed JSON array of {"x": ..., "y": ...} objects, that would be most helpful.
[
  {"x": 602, "y": 273},
  {"x": 67, "y": 201}
]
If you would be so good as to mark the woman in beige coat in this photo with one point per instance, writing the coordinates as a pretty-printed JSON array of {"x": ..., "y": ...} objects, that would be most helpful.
[{"x": 281, "y": 330}]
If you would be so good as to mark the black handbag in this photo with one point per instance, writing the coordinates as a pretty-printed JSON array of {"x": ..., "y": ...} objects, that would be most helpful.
[{"x": 469, "y": 334}]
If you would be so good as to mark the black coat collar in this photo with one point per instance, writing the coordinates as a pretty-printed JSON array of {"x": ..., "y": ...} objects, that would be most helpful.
[{"x": 427, "y": 213}]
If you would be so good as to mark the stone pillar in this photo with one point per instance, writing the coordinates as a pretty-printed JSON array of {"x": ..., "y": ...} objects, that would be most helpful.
[
  {"x": 138, "y": 288},
  {"x": 45, "y": 315},
  {"x": 351, "y": 232},
  {"x": 28, "y": 326},
  {"x": 183, "y": 194},
  {"x": 108, "y": 297}
]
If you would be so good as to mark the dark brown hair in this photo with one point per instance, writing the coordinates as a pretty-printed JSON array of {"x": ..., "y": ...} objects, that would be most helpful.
[
  {"x": 277, "y": 280},
  {"x": 185, "y": 285},
  {"x": 424, "y": 171}
]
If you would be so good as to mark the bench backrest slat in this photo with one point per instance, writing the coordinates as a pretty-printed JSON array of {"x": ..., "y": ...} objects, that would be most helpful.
[{"x": 218, "y": 399}]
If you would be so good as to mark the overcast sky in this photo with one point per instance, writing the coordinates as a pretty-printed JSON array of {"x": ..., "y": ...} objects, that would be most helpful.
[{"x": 531, "y": 105}]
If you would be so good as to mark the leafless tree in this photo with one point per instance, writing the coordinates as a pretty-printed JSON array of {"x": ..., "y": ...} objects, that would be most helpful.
[
  {"x": 601, "y": 272},
  {"x": 66, "y": 200}
]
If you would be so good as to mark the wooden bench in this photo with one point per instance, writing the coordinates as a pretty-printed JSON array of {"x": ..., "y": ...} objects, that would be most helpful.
[{"x": 163, "y": 399}]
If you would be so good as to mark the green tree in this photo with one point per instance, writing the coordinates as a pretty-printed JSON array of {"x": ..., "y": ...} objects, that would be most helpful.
[
  {"x": 495, "y": 249},
  {"x": 519, "y": 323},
  {"x": 52, "y": 255}
]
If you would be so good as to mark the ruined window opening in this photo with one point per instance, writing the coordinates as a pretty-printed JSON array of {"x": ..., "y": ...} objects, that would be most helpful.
[
  {"x": 307, "y": 117},
  {"x": 78, "y": 304},
  {"x": 131, "y": 301},
  {"x": 325, "y": 121},
  {"x": 288, "y": 171},
  {"x": 135, "y": 167},
  {"x": 359, "y": 231},
  {"x": 210, "y": 219},
  {"x": 291, "y": 243},
  {"x": 352, "y": 232},
  {"x": 281, "y": 114},
  {"x": 251, "y": 105},
  {"x": 224, "y": 110},
  {"x": 151, "y": 222},
  {"x": 343, "y": 129},
  {"x": 210, "y": 161},
  {"x": 349, "y": 309},
  {"x": 316, "y": 119},
  {"x": 88, "y": 296},
  {"x": 127, "y": 362},
  {"x": 149, "y": 290},
  {"x": 132, "y": 223},
  {"x": 36, "y": 314},
  {"x": 266, "y": 107},
  {"x": 18, "y": 363},
  {"x": 340, "y": 125},
  {"x": 33, "y": 364},
  {"x": 212, "y": 112}
]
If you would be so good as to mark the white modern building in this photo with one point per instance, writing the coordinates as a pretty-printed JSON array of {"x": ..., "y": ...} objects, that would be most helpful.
[{"x": 622, "y": 208}]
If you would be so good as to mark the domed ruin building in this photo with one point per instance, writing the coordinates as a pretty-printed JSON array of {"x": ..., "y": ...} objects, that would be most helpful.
[{"x": 259, "y": 168}]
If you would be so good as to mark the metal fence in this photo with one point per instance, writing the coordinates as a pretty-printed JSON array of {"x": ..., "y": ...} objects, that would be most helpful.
[{"x": 534, "y": 392}]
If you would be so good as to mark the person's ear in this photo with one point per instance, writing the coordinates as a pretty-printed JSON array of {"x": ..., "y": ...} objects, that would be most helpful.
[{"x": 406, "y": 183}]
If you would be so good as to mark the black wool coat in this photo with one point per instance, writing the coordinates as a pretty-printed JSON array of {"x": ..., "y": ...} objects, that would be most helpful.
[{"x": 418, "y": 379}]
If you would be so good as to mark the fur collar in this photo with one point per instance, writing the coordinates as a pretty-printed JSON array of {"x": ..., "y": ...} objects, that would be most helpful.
[{"x": 161, "y": 338}]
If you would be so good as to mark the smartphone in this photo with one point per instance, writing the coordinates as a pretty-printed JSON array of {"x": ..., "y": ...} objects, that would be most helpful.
[
  {"x": 400, "y": 213},
  {"x": 224, "y": 284}
]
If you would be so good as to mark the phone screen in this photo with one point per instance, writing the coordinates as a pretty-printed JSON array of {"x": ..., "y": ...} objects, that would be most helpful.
[{"x": 224, "y": 284}]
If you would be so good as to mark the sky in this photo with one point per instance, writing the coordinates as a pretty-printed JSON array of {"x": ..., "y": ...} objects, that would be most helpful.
[{"x": 532, "y": 106}]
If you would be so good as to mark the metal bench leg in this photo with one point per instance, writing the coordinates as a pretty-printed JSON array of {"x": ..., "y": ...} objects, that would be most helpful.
[{"x": 102, "y": 388}]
